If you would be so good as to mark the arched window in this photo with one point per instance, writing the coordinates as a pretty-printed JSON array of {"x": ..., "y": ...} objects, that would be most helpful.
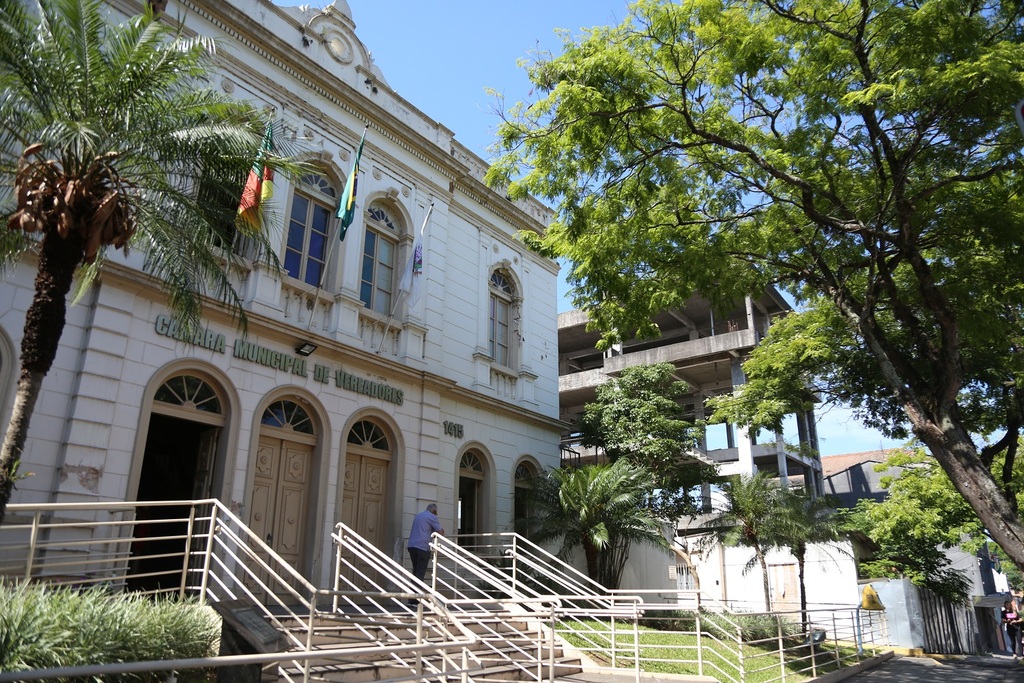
[
  {"x": 190, "y": 393},
  {"x": 305, "y": 254},
  {"x": 380, "y": 248},
  {"x": 285, "y": 414},
  {"x": 369, "y": 435},
  {"x": 502, "y": 298}
]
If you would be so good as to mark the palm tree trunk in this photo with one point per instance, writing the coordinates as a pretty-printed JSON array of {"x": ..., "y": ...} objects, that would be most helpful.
[
  {"x": 44, "y": 325},
  {"x": 801, "y": 559},
  {"x": 590, "y": 552},
  {"x": 764, "y": 573}
]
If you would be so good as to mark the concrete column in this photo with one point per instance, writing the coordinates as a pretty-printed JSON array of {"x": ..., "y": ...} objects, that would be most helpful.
[{"x": 743, "y": 444}]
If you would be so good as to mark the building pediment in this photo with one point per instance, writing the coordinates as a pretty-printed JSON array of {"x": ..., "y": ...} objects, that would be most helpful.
[{"x": 334, "y": 28}]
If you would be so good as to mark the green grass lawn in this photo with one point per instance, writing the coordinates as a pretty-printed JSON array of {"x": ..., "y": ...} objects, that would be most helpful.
[{"x": 677, "y": 652}]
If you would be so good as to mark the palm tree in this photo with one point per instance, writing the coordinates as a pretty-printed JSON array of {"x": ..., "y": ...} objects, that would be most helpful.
[
  {"x": 806, "y": 520},
  {"x": 109, "y": 138},
  {"x": 751, "y": 519},
  {"x": 601, "y": 508}
]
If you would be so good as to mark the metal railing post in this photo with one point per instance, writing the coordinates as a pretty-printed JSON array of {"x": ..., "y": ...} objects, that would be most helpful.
[
  {"x": 33, "y": 540},
  {"x": 636, "y": 639},
  {"x": 515, "y": 564},
  {"x": 551, "y": 646},
  {"x": 190, "y": 529},
  {"x": 337, "y": 569},
  {"x": 204, "y": 580},
  {"x": 814, "y": 651},
  {"x": 835, "y": 638},
  {"x": 742, "y": 659},
  {"x": 782, "y": 649},
  {"x": 465, "y": 665},
  {"x": 613, "y": 639},
  {"x": 433, "y": 569},
  {"x": 308, "y": 663},
  {"x": 540, "y": 650},
  {"x": 858, "y": 633},
  {"x": 700, "y": 641},
  {"x": 419, "y": 638}
]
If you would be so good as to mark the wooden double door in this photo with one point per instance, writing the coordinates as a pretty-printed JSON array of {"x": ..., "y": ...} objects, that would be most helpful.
[
  {"x": 281, "y": 491},
  {"x": 364, "y": 510}
]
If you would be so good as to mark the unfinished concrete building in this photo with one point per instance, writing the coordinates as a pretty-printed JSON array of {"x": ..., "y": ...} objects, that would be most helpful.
[{"x": 707, "y": 349}]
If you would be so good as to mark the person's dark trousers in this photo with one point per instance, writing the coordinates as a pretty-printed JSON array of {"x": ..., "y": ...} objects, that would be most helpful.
[{"x": 420, "y": 560}]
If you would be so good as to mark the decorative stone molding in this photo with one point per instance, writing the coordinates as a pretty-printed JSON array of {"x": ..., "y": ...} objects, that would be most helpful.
[{"x": 339, "y": 46}]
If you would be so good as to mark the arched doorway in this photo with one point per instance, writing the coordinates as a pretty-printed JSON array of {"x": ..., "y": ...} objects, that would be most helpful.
[
  {"x": 470, "y": 509},
  {"x": 179, "y": 462},
  {"x": 522, "y": 510},
  {"x": 364, "y": 505},
  {"x": 367, "y": 462},
  {"x": 283, "y": 476}
]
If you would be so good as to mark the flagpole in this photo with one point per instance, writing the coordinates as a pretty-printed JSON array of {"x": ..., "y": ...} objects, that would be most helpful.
[{"x": 401, "y": 291}]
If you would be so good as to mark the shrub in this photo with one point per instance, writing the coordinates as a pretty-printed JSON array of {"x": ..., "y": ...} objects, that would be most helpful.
[
  {"x": 670, "y": 620},
  {"x": 42, "y": 627}
]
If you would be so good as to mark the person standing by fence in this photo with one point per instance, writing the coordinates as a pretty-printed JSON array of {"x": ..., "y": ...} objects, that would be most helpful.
[{"x": 1012, "y": 620}]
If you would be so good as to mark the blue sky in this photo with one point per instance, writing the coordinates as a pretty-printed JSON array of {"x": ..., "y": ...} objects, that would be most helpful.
[{"x": 443, "y": 55}]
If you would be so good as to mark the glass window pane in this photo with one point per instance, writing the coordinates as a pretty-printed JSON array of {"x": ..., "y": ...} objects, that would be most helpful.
[
  {"x": 387, "y": 252},
  {"x": 300, "y": 208},
  {"x": 321, "y": 219},
  {"x": 365, "y": 292},
  {"x": 292, "y": 263},
  {"x": 367, "y": 275},
  {"x": 313, "y": 270},
  {"x": 382, "y": 304},
  {"x": 296, "y": 235},
  {"x": 317, "y": 243}
]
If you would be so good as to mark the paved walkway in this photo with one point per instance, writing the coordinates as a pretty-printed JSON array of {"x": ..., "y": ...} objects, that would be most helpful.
[
  {"x": 988, "y": 669},
  {"x": 993, "y": 669}
]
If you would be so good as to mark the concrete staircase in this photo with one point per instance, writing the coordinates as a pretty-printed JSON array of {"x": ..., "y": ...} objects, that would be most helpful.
[{"x": 353, "y": 647}]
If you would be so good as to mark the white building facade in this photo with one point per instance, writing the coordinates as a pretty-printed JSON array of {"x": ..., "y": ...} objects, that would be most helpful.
[{"x": 449, "y": 396}]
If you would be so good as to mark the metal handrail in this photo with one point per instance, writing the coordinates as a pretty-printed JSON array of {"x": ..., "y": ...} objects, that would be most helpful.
[
  {"x": 525, "y": 598},
  {"x": 443, "y": 599}
]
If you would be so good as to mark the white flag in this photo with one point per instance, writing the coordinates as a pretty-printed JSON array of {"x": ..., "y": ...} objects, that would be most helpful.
[{"x": 411, "y": 284}]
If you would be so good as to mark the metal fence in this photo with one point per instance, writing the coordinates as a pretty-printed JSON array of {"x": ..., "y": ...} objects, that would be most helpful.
[{"x": 493, "y": 604}]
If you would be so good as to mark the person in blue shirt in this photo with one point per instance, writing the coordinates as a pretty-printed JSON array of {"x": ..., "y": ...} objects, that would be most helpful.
[{"x": 424, "y": 525}]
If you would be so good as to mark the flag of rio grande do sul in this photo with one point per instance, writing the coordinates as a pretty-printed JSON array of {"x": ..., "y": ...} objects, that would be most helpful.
[{"x": 259, "y": 185}]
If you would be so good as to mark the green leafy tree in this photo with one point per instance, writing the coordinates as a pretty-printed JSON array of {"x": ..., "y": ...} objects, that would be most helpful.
[
  {"x": 921, "y": 516},
  {"x": 804, "y": 521},
  {"x": 862, "y": 155},
  {"x": 637, "y": 417},
  {"x": 601, "y": 509},
  {"x": 752, "y": 518},
  {"x": 109, "y": 137}
]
